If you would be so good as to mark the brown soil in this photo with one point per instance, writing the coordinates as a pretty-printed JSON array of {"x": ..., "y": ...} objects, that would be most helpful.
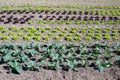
[
  {"x": 23, "y": 18},
  {"x": 61, "y": 2},
  {"x": 88, "y": 73}
]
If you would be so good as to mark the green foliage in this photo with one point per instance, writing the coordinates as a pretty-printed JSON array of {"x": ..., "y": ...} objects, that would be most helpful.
[
  {"x": 15, "y": 37},
  {"x": 45, "y": 37},
  {"x": 77, "y": 38},
  {"x": 30, "y": 21},
  {"x": 87, "y": 38},
  {"x": 12, "y": 33},
  {"x": 33, "y": 56},
  {"x": 36, "y": 37},
  {"x": 4, "y": 37},
  {"x": 26, "y": 37},
  {"x": 48, "y": 28},
  {"x": 68, "y": 38},
  {"x": 61, "y": 34},
  {"x": 106, "y": 36},
  {"x": 57, "y": 38}
]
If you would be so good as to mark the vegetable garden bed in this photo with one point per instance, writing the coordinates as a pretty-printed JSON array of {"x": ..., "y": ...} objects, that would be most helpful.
[{"x": 41, "y": 38}]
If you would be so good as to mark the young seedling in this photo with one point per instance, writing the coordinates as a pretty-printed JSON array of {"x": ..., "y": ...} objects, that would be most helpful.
[
  {"x": 43, "y": 30},
  {"x": 87, "y": 38},
  {"x": 4, "y": 37},
  {"x": 106, "y": 36},
  {"x": 115, "y": 37},
  {"x": 50, "y": 34},
  {"x": 12, "y": 28},
  {"x": 30, "y": 34},
  {"x": 54, "y": 31},
  {"x": 45, "y": 37},
  {"x": 20, "y": 34},
  {"x": 68, "y": 38},
  {"x": 74, "y": 28},
  {"x": 78, "y": 35},
  {"x": 90, "y": 34},
  {"x": 57, "y": 28},
  {"x": 36, "y": 37},
  {"x": 37, "y": 34},
  {"x": 97, "y": 31},
  {"x": 57, "y": 38},
  {"x": 11, "y": 33},
  {"x": 72, "y": 31},
  {"x": 48, "y": 28},
  {"x": 61, "y": 34},
  {"x": 1, "y": 27},
  {"x": 83, "y": 30},
  {"x": 66, "y": 29},
  {"x": 76, "y": 38},
  {"x": 15, "y": 37},
  {"x": 4, "y": 30},
  {"x": 26, "y": 38},
  {"x": 30, "y": 21}
]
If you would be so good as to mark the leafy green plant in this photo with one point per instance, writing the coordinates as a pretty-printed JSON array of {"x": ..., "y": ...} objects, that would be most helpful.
[
  {"x": 106, "y": 36},
  {"x": 37, "y": 34},
  {"x": 50, "y": 34},
  {"x": 30, "y": 34},
  {"x": 83, "y": 30},
  {"x": 54, "y": 31},
  {"x": 45, "y": 37},
  {"x": 26, "y": 37},
  {"x": 4, "y": 30},
  {"x": 12, "y": 28},
  {"x": 57, "y": 38},
  {"x": 30, "y": 21},
  {"x": 43, "y": 30},
  {"x": 74, "y": 28},
  {"x": 96, "y": 22},
  {"x": 77, "y": 38},
  {"x": 77, "y": 22},
  {"x": 36, "y": 37},
  {"x": 87, "y": 38},
  {"x": 78, "y": 35},
  {"x": 66, "y": 28},
  {"x": 68, "y": 38},
  {"x": 90, "y": 34},
  {"x": 72, "y": 31},
  {"x": 48, "y": 28},
  {"x": 15, "y": 37},
  {"x": 4, "y": 37},
  {"x": 15, "y": 67},
  {"x": 115, "y": 37},
  {"x": 57, "y": 28},
  {"x": 11, "y": 33},
  {"x": 20, "y": 34},
  {"x": 61, "y": 34}
]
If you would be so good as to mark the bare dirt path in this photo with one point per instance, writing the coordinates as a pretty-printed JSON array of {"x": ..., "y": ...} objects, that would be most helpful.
[
  {"x": 83, "y": 74},
  {"x": 60, "y": 2}
]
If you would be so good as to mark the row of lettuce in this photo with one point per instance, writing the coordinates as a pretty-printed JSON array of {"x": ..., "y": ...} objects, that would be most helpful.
[
  {"x": 55, "y": 55},
  {"x": 56, "y": 33}
]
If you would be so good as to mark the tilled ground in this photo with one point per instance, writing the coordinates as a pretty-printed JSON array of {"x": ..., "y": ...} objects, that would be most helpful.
[
  {"x": 61, "y": 2},
  {"x": 88, "y": 73},
  {"x": 23, "y": 17}
]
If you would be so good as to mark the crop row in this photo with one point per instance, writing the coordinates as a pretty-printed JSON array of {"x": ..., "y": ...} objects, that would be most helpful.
[
  {"x": 59, "y": 19},
  {"x": 33, "y": 56},
  {"x": 113, "y": 12},
  {"x": 72, "y": 22},
  {"x": 57, "y": 33},
  {"x": 56, "y": 7}
]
